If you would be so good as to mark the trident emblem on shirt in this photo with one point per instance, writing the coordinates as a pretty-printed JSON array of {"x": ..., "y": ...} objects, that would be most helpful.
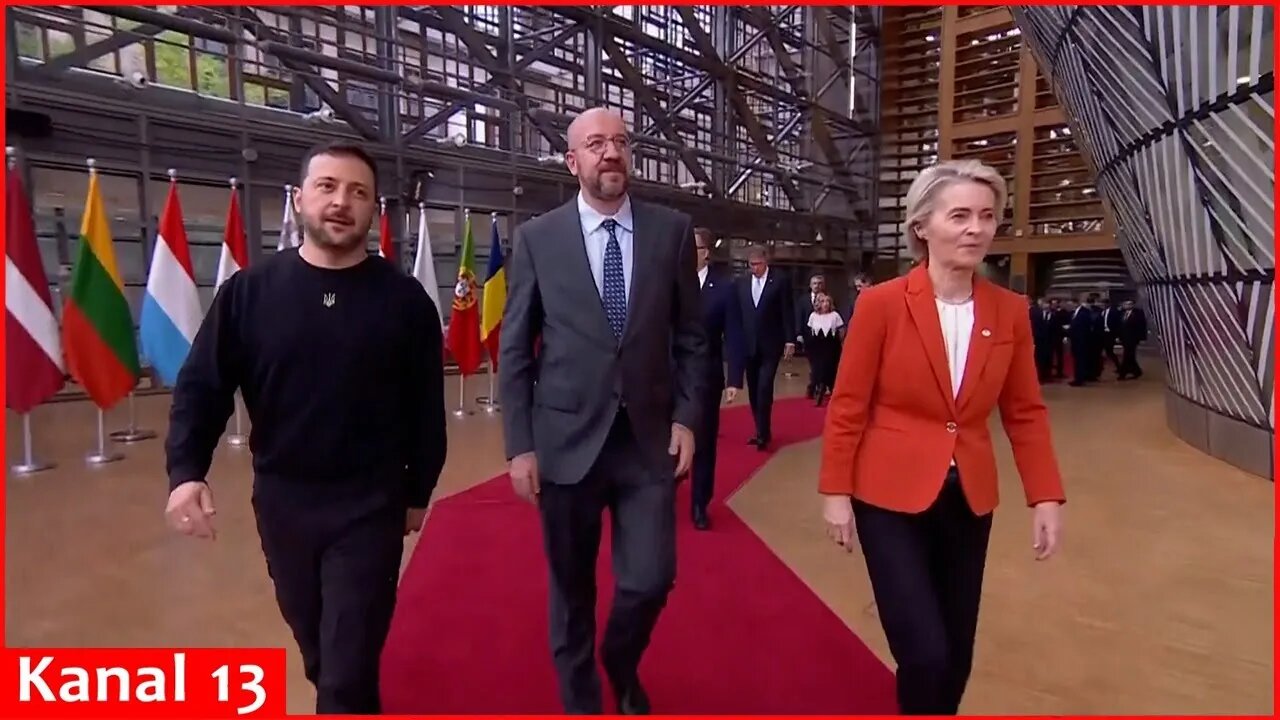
[{"x": 329, "y": 299}]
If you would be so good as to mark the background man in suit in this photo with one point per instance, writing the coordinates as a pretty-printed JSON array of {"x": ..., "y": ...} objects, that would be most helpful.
[
  {"x": 768, "y": 323},
  {"x": 1080, "y": 331},
  {"x": 804, "y": 308},
  {"x": 1042, "y": 334},
  {"x": 603, "y": 416},
  {"x": 722, "y": 324},
  {"x": 1132, "y": 330},
  {"x": 857, "y": 284}
]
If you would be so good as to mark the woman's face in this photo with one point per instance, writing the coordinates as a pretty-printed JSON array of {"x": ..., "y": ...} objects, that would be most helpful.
[
  {"x": 824, "y": 303},
  {"x": 962, "y": 225}
]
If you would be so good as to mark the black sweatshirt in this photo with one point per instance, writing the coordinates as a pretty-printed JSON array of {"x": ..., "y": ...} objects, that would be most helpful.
[{"x": 341, "y": 371}]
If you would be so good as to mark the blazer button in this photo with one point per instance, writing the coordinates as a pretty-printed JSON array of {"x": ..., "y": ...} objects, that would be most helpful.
[{"x": 951, "y": 427}]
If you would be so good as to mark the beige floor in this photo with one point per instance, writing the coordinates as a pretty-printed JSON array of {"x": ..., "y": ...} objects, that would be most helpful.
[{"x": 1161, "y": 602}]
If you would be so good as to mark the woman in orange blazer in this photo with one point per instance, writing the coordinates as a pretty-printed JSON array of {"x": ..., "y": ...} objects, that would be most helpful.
[{"x": 906, "y": 448}]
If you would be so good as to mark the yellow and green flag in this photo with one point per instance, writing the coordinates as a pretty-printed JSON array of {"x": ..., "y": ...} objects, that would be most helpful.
[{"x": 97, "y": 325}]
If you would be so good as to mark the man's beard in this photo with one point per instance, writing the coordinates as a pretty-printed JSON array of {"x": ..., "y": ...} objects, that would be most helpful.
[
  {"x": 319, "y": 234},
  {"x": 612, "y": 189}
]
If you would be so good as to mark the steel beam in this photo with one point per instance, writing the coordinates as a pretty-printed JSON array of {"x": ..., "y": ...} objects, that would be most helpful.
[
  {"x": 477, "y": 94},
  {"x": 748, "y": 118},
  {"x": 636, "y": 82},
  {"x": 819, "y": 114},
  {"x": 309, "y": 75},
  {"x": 456, "y": 23}
]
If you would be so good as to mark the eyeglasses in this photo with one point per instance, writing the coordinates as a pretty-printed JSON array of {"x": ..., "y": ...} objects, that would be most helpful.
[{"x": 597, "y": 145}]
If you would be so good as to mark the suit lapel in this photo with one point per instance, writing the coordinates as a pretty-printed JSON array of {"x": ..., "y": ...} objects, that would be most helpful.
[
  {"x": 573, "y": 249},
  {"x": 924, "y": 314},
  {"x": 986, "y": 311},
  {"x": 643, "y": 274}
]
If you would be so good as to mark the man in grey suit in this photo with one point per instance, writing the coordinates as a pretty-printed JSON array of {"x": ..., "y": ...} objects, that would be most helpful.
[{"x": 601, "y": 366}]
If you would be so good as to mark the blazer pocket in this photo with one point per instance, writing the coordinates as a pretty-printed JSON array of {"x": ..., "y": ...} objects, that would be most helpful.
[{"x": 557, "y": 398}]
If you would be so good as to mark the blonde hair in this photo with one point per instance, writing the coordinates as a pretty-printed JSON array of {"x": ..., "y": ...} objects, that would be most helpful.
[{"x": 924, "y": 191}]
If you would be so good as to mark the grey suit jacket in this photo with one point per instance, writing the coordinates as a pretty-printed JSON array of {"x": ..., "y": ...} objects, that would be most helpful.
[{"x": 562, "y": 375}]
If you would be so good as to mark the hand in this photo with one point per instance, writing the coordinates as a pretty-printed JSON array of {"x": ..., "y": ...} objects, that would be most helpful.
[
  {"x": 1046, "y": 529},
  {"x": 413, "y": 520},
  {"x": 730, "y": 394},
  {"x": 788, "y": 351},
  {"x": 837, "y": 511},
  {"x": 524, "y": 476},
  {"x": 190, "y": 510},
  {"x": 681, "y": 448}
]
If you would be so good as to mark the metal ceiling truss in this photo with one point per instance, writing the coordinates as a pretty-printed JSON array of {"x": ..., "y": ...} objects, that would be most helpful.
[{"x": 746, "y": 107}]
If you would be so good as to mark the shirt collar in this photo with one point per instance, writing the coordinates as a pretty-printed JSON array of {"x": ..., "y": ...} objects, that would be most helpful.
[{"x": 592, "y": 218}]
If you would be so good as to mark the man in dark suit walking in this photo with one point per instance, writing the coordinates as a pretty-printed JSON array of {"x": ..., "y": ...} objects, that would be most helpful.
[
  {"x": 722, "y": 325},
  {"x": 603, "y": 416},
  {"x": 1042, "y": 335},
  {"x": 768, "y": 329},
  {"x": 1132, "y": 330},
  {"x": 804, "y": 307}
]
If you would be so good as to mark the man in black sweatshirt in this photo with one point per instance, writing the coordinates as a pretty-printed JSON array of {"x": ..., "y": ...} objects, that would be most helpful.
[{"x": 339, "y": 358}]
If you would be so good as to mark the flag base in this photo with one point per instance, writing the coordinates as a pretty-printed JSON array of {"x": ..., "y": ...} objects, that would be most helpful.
[
  {"x": 103, "y": 458},
  {"x": 490, "y": 405},
  {"x": 31, "y": 468},
  {"x": 132, "y": 435}
]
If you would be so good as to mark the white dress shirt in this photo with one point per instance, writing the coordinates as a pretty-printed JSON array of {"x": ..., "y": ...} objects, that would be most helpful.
[
  {"x": 956, "y": 320},
  {"x": 757, "y": 287},
  {"x": 597, "y": 239},
  {"x": 702, "y": 277}
]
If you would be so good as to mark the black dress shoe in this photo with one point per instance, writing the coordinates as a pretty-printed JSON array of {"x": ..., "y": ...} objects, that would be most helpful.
[
  {"x": 700, "y": 519},
  {"x": 632, "y": 700},
  {"x": 753, "y": 441}
]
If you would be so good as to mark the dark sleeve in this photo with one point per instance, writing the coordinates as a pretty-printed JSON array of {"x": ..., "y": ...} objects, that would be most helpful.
[
  {"x": 204, "y": 395},
  {"x": 689, "y": 340},
  {"x": 788, "y": 313},
  {"x": 428, "y": 441},
  {"x": 735, "y": 343},
  {"x": 521, "y": 327}
]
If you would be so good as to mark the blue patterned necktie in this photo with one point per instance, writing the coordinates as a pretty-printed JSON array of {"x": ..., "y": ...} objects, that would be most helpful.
[{"x": 615, "y": 287}]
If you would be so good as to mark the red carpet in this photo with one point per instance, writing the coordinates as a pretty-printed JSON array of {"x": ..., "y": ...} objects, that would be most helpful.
[{"x": 741, "y": 633}]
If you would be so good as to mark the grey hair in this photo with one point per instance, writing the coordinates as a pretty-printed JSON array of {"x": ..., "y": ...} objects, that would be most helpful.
[{"x": 924, "y": 191}]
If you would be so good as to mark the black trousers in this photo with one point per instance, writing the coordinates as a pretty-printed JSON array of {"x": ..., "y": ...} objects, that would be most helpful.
[
  {"x": 762, "y": 371},
  {"x": 824, "y": 360},
  {"x": 333, "y": 552},
  {"x": 1044, "y": 360},
  {"x": 926, "y": 574},
  {"x": 704, "y": 442},
  {"x": 1129, "y": 365},
  {"x": 641, "y": 503}
]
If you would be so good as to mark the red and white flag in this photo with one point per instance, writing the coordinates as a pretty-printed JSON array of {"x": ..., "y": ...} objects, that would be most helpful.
[
  {"x": 386, "y": 243},
  {"x": 235, "y": 247},
  {"x": 34, "y": 364}
]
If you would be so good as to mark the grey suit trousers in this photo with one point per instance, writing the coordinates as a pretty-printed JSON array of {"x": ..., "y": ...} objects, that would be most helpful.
[{"x": 641, "y": 505}]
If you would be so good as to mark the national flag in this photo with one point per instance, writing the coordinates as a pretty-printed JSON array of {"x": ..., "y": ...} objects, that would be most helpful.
[
  {"x": 171, "y": 312},
  {"x": 495, "y": 295},
  {"x": 424, "y": 263},
  {"x": 386, "y": 243},
  {"x": 290, "y": 236},
  {"x": 97, "y": 325},
  {"x": 32, "y": 349},
  {"x": 464, "y": 321},
  {"x": 235, "y": 246}
]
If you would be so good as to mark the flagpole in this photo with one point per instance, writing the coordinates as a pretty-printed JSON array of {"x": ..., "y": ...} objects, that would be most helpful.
[
  {"x": 462, "y": 410},
  {"x": 491, "y": 402},
  {"x": 103, "y": 456},
  {"x": 29, "y": 464},
  {"x": 132, "y": 433},
  {"x": 237, "y": 438}
]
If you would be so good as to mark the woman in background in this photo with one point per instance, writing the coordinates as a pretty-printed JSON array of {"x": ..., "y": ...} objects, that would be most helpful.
[
  {"x": 906, "y": 448},
  {"x": 826, "y": 329}
]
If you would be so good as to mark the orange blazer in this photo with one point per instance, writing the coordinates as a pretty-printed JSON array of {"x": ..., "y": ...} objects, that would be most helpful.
[{"x": 893, "y": 426}]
